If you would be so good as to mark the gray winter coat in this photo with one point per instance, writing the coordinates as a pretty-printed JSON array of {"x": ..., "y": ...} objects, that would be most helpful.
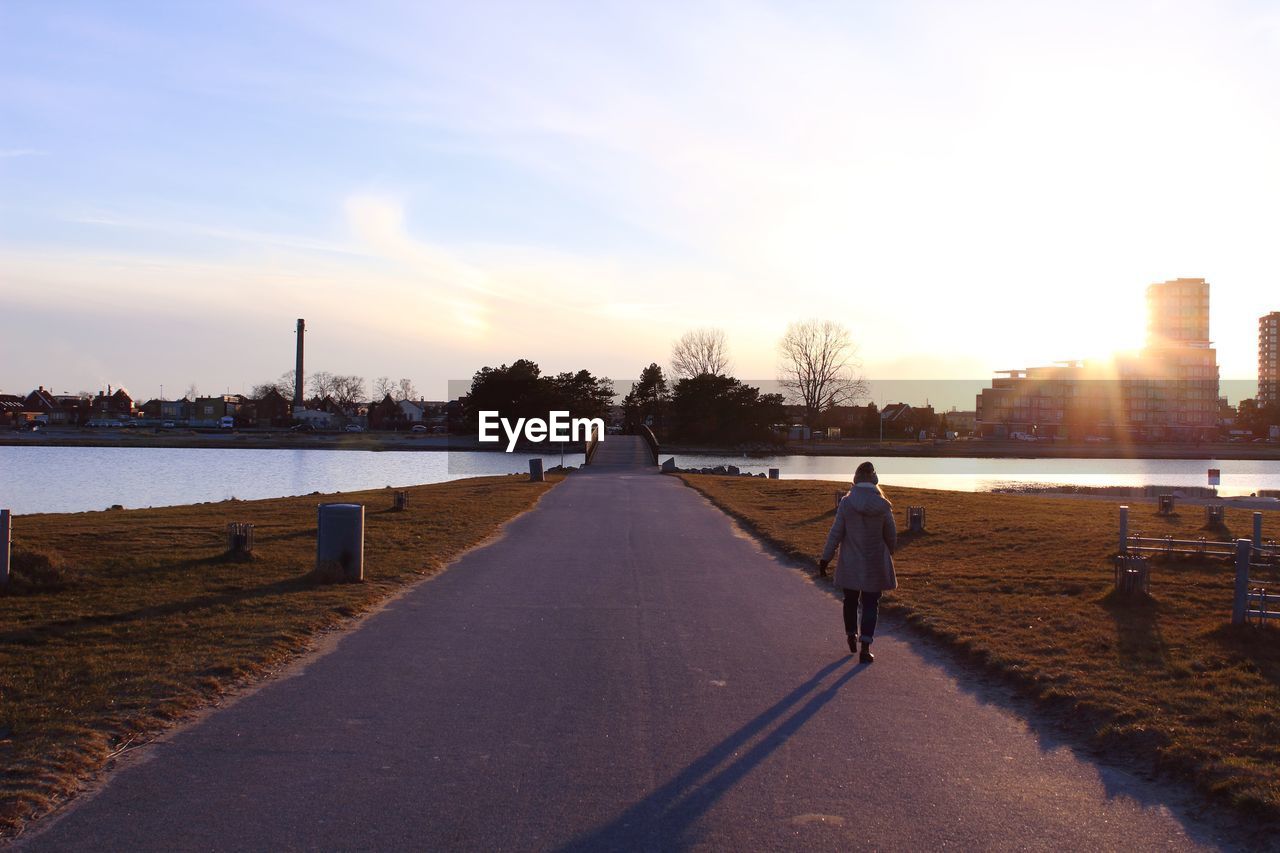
[{"x": 865, "y": 533}]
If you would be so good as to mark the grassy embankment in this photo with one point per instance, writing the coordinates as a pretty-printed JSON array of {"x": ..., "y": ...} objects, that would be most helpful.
[
  {"x": 119, "y": 623},
  {"x": 1022, "y": 586}
]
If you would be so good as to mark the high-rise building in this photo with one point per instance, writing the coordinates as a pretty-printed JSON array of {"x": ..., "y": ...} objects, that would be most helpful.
[
  {"x": 1269, "y": 359},
  {"x": 1178, "y": 314}
]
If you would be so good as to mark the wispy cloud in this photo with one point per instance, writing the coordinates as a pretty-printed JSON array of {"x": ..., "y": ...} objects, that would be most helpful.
[
  {"x": 925, "y": 172},
  {"x": 6, "y": 153},
  {"x": 216, "y": 232}
]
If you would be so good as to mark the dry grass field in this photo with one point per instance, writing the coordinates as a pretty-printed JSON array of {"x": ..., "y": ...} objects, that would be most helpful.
[
  {"x": 120, "y": 622},
  {"x": 1022, "y": 586}
]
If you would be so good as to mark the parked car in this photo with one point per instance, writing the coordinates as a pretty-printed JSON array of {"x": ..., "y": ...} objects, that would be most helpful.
[
  {"x": 354, "y": 428},
  {"x": 419, "y": 428},
  {"x": 168, "y": 425},
  {"x": 302, "y": 427}
]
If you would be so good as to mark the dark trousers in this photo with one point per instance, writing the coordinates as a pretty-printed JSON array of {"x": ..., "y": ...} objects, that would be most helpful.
[{"x": 870, "y": 612}]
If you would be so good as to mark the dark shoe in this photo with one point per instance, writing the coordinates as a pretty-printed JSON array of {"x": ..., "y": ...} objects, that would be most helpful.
[
  {"x": 866, "y": 656},
  {"x": 853, "y": 644}
]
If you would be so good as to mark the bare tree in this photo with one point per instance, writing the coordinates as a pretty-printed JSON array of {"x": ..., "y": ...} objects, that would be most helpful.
[
  {"x": 191, "y": 393},
  {"x": 321, "y": 383},
  {"x": 401, "y": 390},
  {"x": 700, "y": 352},
  {"x": 817, "y": 366},
  {"x": 283, "y": 386},
  {"x": 348, "y": 390}
]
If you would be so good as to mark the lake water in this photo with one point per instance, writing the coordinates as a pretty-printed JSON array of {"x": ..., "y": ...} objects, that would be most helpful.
[
  {"x": 75, "y": 479},
  {"x": 1239, "y": 477}
]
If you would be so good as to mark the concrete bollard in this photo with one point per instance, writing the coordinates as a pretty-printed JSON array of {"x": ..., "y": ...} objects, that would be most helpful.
[
  {"x": 1240, "y": 603},
  {"x": 535, "y": 471},
  {"x": 340, "y": 541},
  {"x": 915, "y": 519},
  {"x": 1257, "y": 530},
  {"x": 1124, "y": 530},
  {"x": 400, "y": 501},
  {"x": 6, "y": 538},
  {"x": 775, "y": 474}
]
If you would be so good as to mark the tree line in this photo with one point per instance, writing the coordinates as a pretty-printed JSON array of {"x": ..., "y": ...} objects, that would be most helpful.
[{"x": 698, "y": 401}]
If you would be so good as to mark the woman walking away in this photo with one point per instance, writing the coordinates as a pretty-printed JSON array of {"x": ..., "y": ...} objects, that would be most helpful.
[{"x": 866, "y": 535}]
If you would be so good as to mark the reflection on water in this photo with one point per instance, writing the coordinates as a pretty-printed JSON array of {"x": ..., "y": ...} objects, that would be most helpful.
[
  {"x": 1239, "y": 477},
  {"x": 74, "y": 479}
]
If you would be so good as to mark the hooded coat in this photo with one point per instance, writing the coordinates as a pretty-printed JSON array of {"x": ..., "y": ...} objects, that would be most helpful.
[{"x": 866, "y": 534}]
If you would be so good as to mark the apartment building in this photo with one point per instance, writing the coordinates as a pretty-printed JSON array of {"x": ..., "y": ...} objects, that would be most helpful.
[
  {"x": 1269, "y": 359},
  {"x": 1169, "y": 391}
]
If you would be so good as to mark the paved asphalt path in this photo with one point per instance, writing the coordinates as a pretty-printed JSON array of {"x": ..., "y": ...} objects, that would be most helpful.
[{"x": 622, "y": 670}]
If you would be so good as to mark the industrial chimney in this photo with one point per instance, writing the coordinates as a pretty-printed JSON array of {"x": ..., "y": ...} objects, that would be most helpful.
[{"x": 297, "y": 370}]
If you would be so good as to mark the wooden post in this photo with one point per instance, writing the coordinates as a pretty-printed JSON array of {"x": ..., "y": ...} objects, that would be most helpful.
[
  {"x": 1124, "y": 530},
  {"x": 1240, "y": 604},
  {"x": 1257, "y": 530},
  {"x": 535, "y": 471},
  {"x": 775, "y": 473},
  {"x": 6, "y": 527},
  {"x": 400, "y": 501},
  {"x": 839, "y": 495}
]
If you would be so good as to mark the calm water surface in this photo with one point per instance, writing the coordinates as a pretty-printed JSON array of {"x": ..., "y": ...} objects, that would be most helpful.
[
  {"x": 75, "y": 479},
  {"x": 1239, "y": 477}
]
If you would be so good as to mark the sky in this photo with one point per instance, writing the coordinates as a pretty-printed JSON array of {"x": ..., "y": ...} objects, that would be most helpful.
[{"x": 437, "y": 187}]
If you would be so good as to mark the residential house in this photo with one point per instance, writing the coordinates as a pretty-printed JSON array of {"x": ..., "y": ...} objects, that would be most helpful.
[
  {"x": 386, "y": 414},
  {"x": 413, "y": 411},
  {"x": 78, "y": 408},
  {"x": 209, "y": 411},
  {"x": 43, "y": 407},
  {"x": 12, "y": 410},
  {"x": 273, "y": 409},
  {"x": 905, "y": 419},
  {"x": 111, "y": 405},
  {"x": 167, "y": 410}
]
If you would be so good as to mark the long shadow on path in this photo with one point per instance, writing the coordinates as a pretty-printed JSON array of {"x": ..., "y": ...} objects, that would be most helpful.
[{"x": 664, "y": 818}]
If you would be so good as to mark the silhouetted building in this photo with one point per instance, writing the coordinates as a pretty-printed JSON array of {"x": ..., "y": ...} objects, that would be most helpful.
[
  {"x": 273, "y": 410},
  {"x": 1269, "y": 359},
  {"x": 1169, "y": 391}
]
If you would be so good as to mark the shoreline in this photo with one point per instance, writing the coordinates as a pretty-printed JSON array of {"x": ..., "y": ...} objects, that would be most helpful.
[
  {"x": 377, "y": 442},
  {"x": 996, "y": 450}
]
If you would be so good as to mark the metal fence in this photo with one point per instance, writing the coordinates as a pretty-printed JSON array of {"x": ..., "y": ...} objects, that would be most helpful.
[{"x": 1251, "y": 602}]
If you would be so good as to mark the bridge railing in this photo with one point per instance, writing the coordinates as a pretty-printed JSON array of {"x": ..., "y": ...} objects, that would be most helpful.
[{"x": 651, "y": 440}]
